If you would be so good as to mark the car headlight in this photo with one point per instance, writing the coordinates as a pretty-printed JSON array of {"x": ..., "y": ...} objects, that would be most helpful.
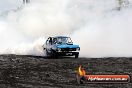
[
  {"x": 58, "y": 49},
  {"x": 77, "y": 49}
]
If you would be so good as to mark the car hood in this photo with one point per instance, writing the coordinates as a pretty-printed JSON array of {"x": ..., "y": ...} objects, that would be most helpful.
[{"x": 67, "y": 46}]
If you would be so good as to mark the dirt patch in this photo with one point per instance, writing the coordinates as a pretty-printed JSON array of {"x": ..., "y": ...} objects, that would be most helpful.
[{"x": 18, "y": 71}]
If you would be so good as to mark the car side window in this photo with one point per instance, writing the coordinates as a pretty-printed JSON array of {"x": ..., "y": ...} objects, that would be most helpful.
[{"x": 49, "y": 41}]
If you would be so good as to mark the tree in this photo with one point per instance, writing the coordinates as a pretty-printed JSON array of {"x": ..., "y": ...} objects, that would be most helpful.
[
  {"x": 122, "y": 4},
  {"x": 26, "y": 1}
]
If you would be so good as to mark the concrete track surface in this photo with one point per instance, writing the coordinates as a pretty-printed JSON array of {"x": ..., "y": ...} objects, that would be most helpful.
[{"x": 19, "y": 71}]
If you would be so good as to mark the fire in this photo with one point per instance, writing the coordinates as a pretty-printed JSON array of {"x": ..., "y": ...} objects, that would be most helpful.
[{"x": 81, "y": 71}]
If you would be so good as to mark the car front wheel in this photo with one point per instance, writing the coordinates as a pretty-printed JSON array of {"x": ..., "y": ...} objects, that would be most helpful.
[
  {"x": 76, "y": 55},
  {"x": 54, "y": 54}
]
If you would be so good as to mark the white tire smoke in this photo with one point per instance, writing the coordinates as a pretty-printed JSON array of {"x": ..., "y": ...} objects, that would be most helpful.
[{"x": 101, "y": 27}]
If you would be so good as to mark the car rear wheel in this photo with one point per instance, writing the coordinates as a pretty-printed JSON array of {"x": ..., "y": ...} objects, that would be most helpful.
[{"x": 45, "y": 52}]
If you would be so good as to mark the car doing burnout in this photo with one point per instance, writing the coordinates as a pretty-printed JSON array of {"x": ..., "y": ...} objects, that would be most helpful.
[{"x": 60, "y": 46}]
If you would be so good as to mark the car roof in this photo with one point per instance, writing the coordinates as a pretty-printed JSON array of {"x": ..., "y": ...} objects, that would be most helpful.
[{"x": 60, "y": 37}]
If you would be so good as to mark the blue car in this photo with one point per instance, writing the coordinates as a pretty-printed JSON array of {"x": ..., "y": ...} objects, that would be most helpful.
[{"x": 60, "y": 46}]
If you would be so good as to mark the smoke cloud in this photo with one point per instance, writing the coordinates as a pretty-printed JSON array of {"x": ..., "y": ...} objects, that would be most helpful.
[{"x": 100, "y": 27}]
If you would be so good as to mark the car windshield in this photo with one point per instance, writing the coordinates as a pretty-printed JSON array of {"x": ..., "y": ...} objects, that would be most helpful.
[{"x": 64, "y": 40}]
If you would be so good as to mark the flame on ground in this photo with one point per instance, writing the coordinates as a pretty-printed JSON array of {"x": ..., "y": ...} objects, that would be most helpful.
[{"x": 81, "y": 71}]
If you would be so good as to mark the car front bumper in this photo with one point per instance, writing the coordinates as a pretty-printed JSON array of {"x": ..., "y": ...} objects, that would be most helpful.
[{"x": 67, "y": 53}]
